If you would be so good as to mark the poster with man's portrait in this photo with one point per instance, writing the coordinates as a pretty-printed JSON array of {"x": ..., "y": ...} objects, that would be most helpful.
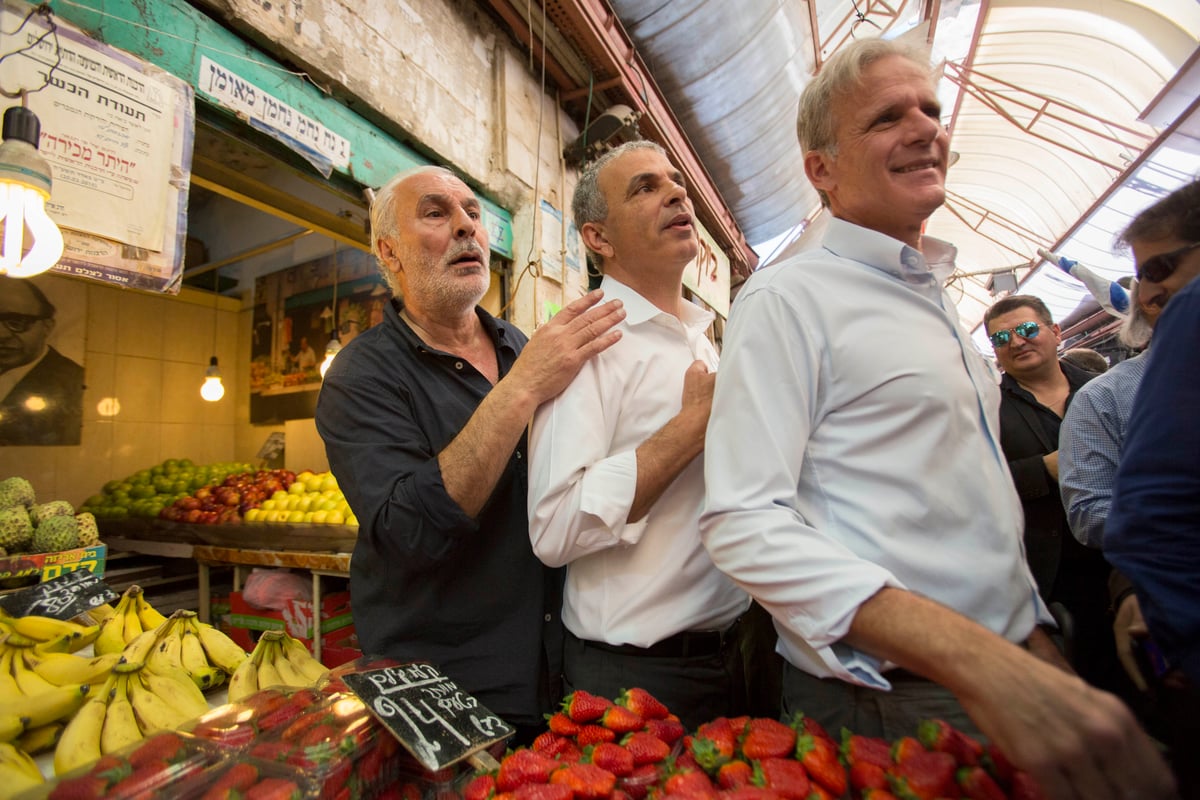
[{"x": 42, "y": 333}]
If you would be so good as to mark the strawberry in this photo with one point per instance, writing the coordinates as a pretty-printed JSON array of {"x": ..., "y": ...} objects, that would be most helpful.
[
  {"x": 767, "y": 738},
  {"x": 734, "y": 774},
  {"x": 642, "y": 703},
  {"x": 802, "y": 723},
  {"x": 924, "y": 776},
  {"x": 85, "y": 787},
  {"x": 522, "y": 767},
  {"x": 543, "y": 791},
  {"x": 271, "y": 751},
  {"x": 163, "y": 748},
  {"x": 820, "y": 760},
  {"x": 995, "y": 762},
  {"x": 943, "y": 737},
  {"x": 865, "y": 775},
  {"x": 1024, "y": 787},
  {"x": 784, "y": 776},
  {"x": 637, "y": 784},
  {"x": 594, "y": 734},
  {"x": 238, "y": 777},
  {"x": 749, "y": 793},
  {"x": 689, "y": 783},
  {"x": 587, "y": 781},
  {"x": 622, "y": 720},
  {"x": 714, "y": 743},
  {"x": 645, "y": 748},
  {"x": 274, "y": 789},
  {"x": 561, "y": 724},
  {"x": 866, "y": 749},
  {"x": 686, "y": 760},
  {"x": 582, "y": 706},
  {"x": 481, "y": 787},
  {"x": 619, "y": 794},
  {"x": 878, "y": 794},
  {"x": 978, "y": 785},
  {"x": 905, "y": 748},
  {"x": 612, "y": 757},
  {"x": 569, "y": 753},
  {"x": 553, "y": 745},
  {"x": 669, "y": 730},
  {"x": 818, "y": 792}
]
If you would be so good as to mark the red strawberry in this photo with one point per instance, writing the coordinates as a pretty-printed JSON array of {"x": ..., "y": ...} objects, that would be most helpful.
[
  {"x": 619, "y": 794},
  {"x": 905, "y": 748},
  {"x": 686, "y": 760},
  {"x": 85, "y": 787},
  {"x": 238, "y": 777},
  {"x": 543, "y": 791},
  {"x": 714, "y": 743},
  {"x": 734, "y": 774},
  {"x": 569, "y": 754},
  {"x": 978, "y": 785},
  {"x": 767, "y": 738},
  {"x": 818, "y": 792},
  {"x": 669, "y": 730},
  {"x": 522, "y": 767},
  {"x": 296, "y": 728},
  {"x": 784, "y": 776},
  {"x": 1024, "y": 787},
  {"x": 274, "y": 789},
  {"x": 481, "y": 787},
  {"x": 819, "y": 757},
  {"x": 995, "y": 762},
  {"x": 612, "y": 757},
  {"x": 553, "y": 745},
  {"x": 637, "y": 784},
  {"x": 587, "y": 781},
  {"x": 642, "y": 703},
  {"x": 865, "y": 749},
  {"x": 622, "y": 720},
  {"x": 689, "y": 783},
  {"x": 865, "y": 775},
  {"x": 160, "y": 749},
  {"x": 749, "y": 793},
  {"x": 582, "y": 706},
  {"x": 943, "y": 737},
  {"x": 271, "y": 751},
  {"x": 561, "y": 724},
  {"x": 878, "y": 794},
  {"x": 805, "y": 724},
  {"x": 594, "y": 734},
  {"x": 645, "y": 748},
  {"x": 924, "y": 776}
]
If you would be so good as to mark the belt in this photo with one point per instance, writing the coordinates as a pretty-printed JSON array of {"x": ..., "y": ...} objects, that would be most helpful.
[{"x": 682, "y": 645}]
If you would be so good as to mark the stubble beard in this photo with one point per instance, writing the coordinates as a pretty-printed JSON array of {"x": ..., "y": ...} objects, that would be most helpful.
[{"x": 438, "y": 288}]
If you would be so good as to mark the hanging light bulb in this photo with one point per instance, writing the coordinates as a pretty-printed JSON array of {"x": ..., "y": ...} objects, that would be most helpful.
[
  {"x": 212, "y": 390},
  {"x": 24, "y": 189},
  {"x": 332, "y": 349},
  {"x": 335, "y": 345}
]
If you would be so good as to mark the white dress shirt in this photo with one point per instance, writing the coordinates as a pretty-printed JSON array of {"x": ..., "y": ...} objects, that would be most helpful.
[
  {"x": 854, "y": 445},
  {"x": 627, "y": 583}
]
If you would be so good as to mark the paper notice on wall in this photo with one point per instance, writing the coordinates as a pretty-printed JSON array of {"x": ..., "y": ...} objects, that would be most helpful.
[{"x": 107, "y": 130}]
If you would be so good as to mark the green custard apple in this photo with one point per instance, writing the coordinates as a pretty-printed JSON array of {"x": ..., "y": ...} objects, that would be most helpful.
[
  {"x": 16, "y": 529},
  {"x": 16, "y": 491},
  {"x": 55, "y": 534}
]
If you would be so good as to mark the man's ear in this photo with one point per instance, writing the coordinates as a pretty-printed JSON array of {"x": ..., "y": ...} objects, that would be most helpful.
[
  {"x": 817, "y": 166},
  {"x": 388, "y": 254},
  {"x": 596, "y": 240}
]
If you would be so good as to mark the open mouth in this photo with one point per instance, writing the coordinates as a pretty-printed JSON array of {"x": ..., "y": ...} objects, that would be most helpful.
[
  {"x": 681, "y": 222},
  {"x": 468, "y": 258},
  {"x": 923, "y": 165}
]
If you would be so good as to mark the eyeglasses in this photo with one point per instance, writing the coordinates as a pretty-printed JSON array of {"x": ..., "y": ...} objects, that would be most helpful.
[
  {"x": 1026, "y": 330},
  {"x": 1157, "y": 269},
  {"x": 19, "y": 323}
]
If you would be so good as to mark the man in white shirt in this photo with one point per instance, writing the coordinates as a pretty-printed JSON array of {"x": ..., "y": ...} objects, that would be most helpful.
[
  {"x": 856, "y": 485},
  {"x": 616, "y": 488}
]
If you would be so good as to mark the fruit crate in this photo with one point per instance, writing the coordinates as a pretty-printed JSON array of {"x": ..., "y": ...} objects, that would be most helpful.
[{"x": 24, "y": 569}]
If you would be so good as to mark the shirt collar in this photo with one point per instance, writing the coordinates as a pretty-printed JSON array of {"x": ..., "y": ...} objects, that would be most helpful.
[
  {"x": 638, "y": 309},
  {"x": 935, "y": 262},
  {"x": 495, "y": 330}
]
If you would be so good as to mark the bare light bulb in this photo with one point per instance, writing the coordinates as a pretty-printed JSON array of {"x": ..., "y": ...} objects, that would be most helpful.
[
  {"x": 332, "y": 349},
  {"x": 24, "y": 189},
  {"x": 212, "y": 390}
]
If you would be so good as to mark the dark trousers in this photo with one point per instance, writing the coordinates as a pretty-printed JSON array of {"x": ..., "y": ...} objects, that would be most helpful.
[{"x": 871, "y": 712}]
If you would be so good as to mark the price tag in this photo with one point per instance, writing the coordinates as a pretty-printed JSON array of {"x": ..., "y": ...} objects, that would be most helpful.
[
  {"x": 433, "y": 718},
  {"x": 64, "y": 597}
]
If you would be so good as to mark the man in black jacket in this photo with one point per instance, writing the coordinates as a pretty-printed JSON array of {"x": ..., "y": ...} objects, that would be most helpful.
[{"x": 1035, "y": 392}]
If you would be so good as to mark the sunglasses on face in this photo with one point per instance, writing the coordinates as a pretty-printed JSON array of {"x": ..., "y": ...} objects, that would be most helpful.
[
  {"x": 1157, "y": 269},
  {"x": 1026, "y": 330}
]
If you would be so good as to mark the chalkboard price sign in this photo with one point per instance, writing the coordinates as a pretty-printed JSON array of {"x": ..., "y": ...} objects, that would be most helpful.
[
  {"x": 64, "y": 597},
  {"x": 433, "y": 718}
]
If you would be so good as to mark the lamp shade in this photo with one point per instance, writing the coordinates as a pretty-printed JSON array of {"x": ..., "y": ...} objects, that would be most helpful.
[{"x": 32, "y": 242}]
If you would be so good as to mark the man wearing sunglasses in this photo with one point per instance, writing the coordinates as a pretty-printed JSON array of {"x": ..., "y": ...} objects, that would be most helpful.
[
  {"x": 1035, "y": 393},
  {"x": 42, "y": 388}
]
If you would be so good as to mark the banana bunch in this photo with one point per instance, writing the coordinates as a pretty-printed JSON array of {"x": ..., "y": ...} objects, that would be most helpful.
[
  {"x": 132, "y": 616},
  {"x": 18, "y": 771},
  {"x": 277, "y": 660},
  {"x": 134, "y": 702},
  {"x": 33, "y": 704},
  {"x": 184, "y": 643},
  {"x": 49, "y": 634}
]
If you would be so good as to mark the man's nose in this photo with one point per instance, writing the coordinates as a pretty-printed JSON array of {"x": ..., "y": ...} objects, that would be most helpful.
[
  {"x": 922, "y": 127},
  {"x": 677, "y": 194},
  {"x": 464, "y": 224}
]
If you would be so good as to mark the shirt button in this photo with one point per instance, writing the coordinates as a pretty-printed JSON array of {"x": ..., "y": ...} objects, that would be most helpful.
[
  {"x": 458, "y": 365},
  {"x": 548, "y": 617},
  {"x": 518, "y": 454}
]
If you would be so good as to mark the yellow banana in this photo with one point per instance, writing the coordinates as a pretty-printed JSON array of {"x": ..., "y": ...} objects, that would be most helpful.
[
  {"x": 267, "y": 674},
  {"x": 11, "y": 726},
  {"x": 64, "y": 668},
  {"x": 244, "y": 681},
  {"x": 166, "y": 654},
  {"x": 138, "y": 649},
  {"x": 18, "y": 772},
  {"x": 100, "y": 613},
  {"x": 47, "y": 707},
  {"x": 287, "y": 673},
  {"x": 132, "y": 623},
  {"x": 191, "y": 654},
  {"x": 303, "y": 660},
  {"x": 29, "y": 682},
  {"x": 67, "y": 642},
  {"x": 43, "y": 737},
  {"x": 80, "y": 740},
  {"x": 120, "y": 725},
  {"x": 152, "y": 712},
  {"x": 112, "y": 631},
  {"x": 8, "y": 684},
  {"x": 222, "y": 651},
  {"x": 45, "y": 628},
  {"x": 148, "y": 614},
  {"x": 177, "y": 689}
]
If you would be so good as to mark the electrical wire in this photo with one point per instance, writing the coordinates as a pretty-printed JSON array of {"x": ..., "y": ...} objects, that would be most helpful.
[{"x": 47, "y": 14}]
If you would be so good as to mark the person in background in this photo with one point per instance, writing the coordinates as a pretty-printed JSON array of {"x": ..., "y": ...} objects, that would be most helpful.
[
  {"x": 616, "y": 485},
  {"x": 41, "y": 390},
  {"x": 306, "y": 357},
  {"x": 1152, "y": 535},
  {"x": 856, "y": 484},
  {"x": 1087, "y": 359},
  {"x": 423, "y": 418},
  {"x": 1036, "y": 391}
]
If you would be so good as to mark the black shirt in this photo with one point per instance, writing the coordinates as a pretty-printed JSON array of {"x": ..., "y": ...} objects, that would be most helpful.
[{"x": 428, "y": 582}]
